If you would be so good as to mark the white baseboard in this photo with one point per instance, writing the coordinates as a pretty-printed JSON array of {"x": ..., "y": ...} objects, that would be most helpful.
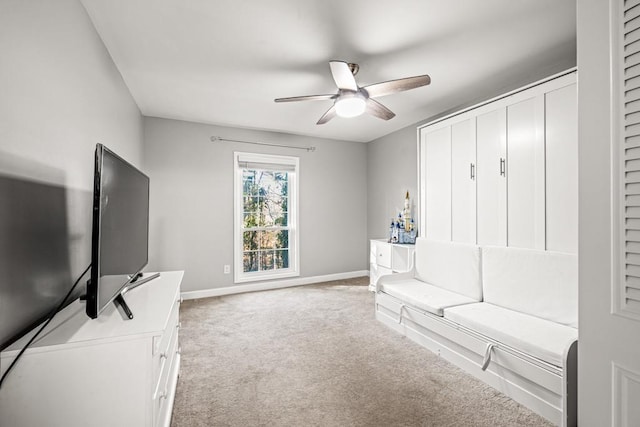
[{"x": 276, "y": 284}]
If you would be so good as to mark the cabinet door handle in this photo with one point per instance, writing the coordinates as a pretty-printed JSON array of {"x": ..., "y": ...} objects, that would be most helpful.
[
  {"x": 502, "y": 167},
  {"x": 472, "y": 167}
]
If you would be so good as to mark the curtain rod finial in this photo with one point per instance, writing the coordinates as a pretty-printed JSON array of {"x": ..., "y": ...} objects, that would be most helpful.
[{"x": 215, "y": 138}]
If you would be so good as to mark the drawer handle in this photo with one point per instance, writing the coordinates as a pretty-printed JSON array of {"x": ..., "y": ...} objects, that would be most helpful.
[
  {"x": 157, "y": 390},
  {"x": 487, "y": 357}
]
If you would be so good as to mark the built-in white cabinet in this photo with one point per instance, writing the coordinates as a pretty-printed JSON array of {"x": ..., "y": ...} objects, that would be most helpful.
[
  {"x": 438, "y": 195},
  {"x": 525, "y": 174},
  {"x": 108, "y": 371},
  {"x": 388, "y": 258},
  {"x": 561, "y": 189},
  {"x": 491, "y": 142},
  {"x": 463, "y": 181},
  {"x": 505, "y": 172}
]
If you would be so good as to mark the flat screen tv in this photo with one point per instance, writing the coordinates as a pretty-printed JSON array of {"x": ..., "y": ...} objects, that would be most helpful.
[{"x": 120, "y": 234}]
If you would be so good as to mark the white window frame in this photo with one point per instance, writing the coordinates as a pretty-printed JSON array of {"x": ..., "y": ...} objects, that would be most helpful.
[{"x": 294, "y": 256}]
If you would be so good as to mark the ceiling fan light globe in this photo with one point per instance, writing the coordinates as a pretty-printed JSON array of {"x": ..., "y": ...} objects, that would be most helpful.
[{"x": 350, "y": 106}]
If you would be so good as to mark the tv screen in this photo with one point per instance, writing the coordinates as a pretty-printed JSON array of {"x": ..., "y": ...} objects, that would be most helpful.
[{"x": 120, "y": 233}]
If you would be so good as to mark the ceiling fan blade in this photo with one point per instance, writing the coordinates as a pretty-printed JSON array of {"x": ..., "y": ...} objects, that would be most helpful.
[
  {"x": 392, "y": 86},
  {"x": 306, "y": 98},
  {"x": 380, "y": 111},
  {"x": 343, "y": 76},
  {"x": 330, "y": 114}
]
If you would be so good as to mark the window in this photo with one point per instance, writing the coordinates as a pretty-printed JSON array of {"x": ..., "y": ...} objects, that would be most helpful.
[{"x": 266, "y": 213}]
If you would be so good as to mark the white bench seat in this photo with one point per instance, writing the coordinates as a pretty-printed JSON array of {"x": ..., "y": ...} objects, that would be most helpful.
[
  {"x": 424, "y": 296},
  {"x": 541, "y": 338},
  {"x": 508, "y": 316}
]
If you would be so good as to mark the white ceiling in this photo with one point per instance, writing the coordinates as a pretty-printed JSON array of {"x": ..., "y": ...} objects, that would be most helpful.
[{"x": 224, "y": 61}]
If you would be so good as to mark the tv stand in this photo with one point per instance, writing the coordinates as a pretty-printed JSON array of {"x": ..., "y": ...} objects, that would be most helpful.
[
  {"x": 121, "y": 304},
  {"x": 138, "y": 280},
  {"x": 99, "y": 372}
]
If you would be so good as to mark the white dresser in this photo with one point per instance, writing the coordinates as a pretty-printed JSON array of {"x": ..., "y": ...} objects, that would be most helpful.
[
  {"x": 103, "y": 372},
  {"x": 388, "y": 258}
]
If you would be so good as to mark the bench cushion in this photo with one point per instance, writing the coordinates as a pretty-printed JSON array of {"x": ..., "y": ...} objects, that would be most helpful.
[
  {"x": 540, "y": 338},
  {"x": 424, "y": 296},
  {"x": 449, "y": 265},
  {"x": 539, "y": 283}
]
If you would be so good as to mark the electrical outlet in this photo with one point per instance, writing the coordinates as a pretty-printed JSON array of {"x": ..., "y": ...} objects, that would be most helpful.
[{"x": 227, "y": 269}]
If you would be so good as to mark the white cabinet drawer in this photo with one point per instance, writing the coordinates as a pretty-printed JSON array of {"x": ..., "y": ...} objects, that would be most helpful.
[
  {"x": 383, "y": 255},
  {"x": 163, "y": 348},
  {"x": 162, "y": 389}
]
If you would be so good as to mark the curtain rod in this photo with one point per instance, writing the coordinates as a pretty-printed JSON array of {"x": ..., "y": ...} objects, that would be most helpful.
[{"x": 217, "y": 138}]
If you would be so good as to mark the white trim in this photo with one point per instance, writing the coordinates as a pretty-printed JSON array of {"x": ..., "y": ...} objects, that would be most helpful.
[
  {"x": 620, "y": 404},
  {"x": 616, "y": 156},
  {"x": 278, "y": 284}
]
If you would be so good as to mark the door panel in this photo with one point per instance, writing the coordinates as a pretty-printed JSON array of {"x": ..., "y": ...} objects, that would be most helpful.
[
  {"x": 438, "y": 184},
  {"x": 525, "y": 174},
  {"x": 562, "y": 170},
  {"x": 491, "y": 175},
  {"x": 463, "y": 181}
]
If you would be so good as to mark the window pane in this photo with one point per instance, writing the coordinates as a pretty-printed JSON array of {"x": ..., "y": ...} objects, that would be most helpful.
[
  {"x": 250, "y": 240},
  {"x": 283, "y": 220},
  {"x": 282, "y": 239},
  {"x": 267, "y": 240},
  {"x": 281, "y": 258},
  {"x": 266, "y": 260},
  {"x": 251, "y": 204},
  {"x": 250, "y": 261},
  {"x": 271, "y": 210},
  {"x": 249, "y": 186},
  {"x": 250, "y": 219}
]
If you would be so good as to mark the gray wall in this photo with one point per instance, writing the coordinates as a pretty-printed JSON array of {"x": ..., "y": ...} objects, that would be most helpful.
[
  {"x": 191, "y": 225},
  {"x": 60, "y": 94},
  {"x": 392, "y": 170}
]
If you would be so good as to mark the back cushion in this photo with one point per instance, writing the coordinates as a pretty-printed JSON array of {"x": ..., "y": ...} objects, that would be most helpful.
[
  {"x": 540, "y": 283},
  {"x": 449, "y": 265}
]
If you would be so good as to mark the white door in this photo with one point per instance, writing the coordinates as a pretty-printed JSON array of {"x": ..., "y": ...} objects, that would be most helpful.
[
  {"x": 491, "y": 175},
  {"x": 525, "y": 172},
  {"x": 562, "y": 169},
  {"x": 463, "y": 181},
  {"x": 437, "y": 149},
  {"x": 609, "y": 310}
]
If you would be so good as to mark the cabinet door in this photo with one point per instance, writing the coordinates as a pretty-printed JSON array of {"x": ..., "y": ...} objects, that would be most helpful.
[
  {"x": 437, "y": 149},
  {"x": 463, "y": 183},
  {"x": 525, "y": 174},
  {"x": 491, "y": 175},
  {"x": 562, "y": 169}
]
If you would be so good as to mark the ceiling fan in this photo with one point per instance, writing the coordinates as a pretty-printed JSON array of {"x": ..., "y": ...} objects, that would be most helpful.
[{"x": 352, "y": 100}]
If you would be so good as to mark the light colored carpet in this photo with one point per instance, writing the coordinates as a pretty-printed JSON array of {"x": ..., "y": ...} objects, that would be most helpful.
[{"x": 316, "y": 356}]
